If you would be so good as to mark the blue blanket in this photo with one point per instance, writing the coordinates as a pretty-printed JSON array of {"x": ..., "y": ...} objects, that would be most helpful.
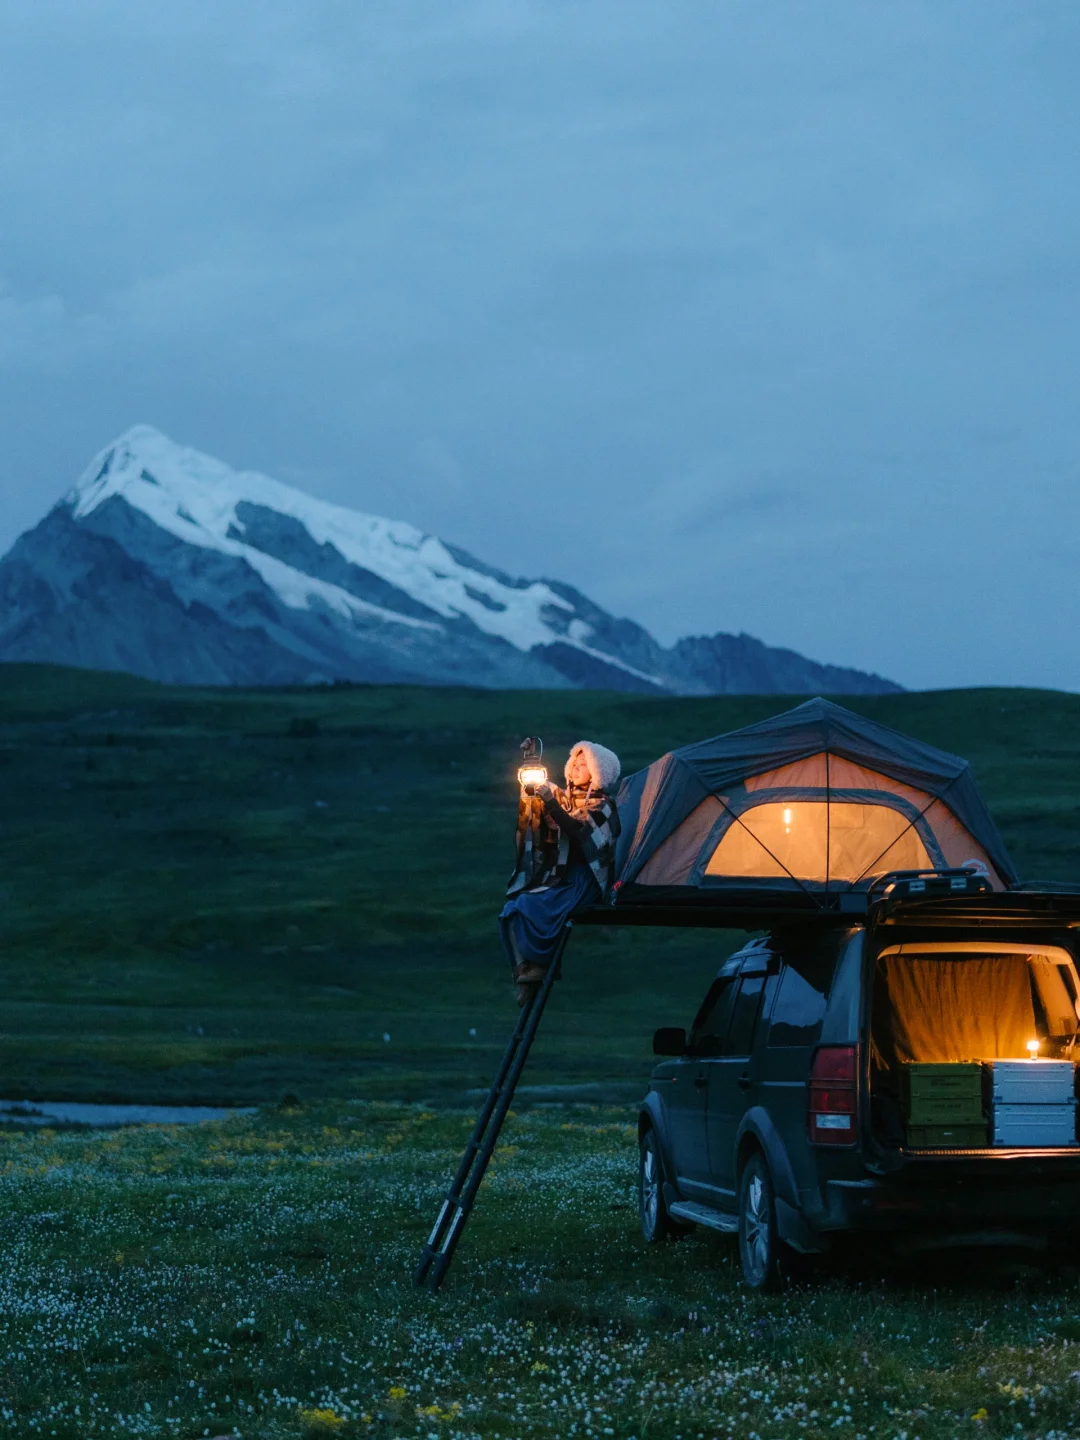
[{"x": 532, "y": 922}]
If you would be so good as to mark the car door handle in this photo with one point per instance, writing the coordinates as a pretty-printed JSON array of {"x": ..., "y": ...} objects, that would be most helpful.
[
  {"x": 700, "y": 1081},
  {"x": 744, "y": 1081}
]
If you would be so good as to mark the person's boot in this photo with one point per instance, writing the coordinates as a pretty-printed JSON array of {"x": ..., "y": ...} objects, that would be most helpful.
[{"x": 527, "y": 978}]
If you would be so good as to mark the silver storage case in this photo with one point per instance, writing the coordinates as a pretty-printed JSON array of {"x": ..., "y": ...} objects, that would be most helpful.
[
  {"x": 1032, "y": 1082},
  {"x": 1034, "y": 1126}
]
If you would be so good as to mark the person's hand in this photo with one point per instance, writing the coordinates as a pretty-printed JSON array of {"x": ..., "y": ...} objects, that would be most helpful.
[{"x": 545, "y": 791}]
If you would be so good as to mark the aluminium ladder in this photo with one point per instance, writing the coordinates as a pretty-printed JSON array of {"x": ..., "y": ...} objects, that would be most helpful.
[{"x": 457, "y": 1206}]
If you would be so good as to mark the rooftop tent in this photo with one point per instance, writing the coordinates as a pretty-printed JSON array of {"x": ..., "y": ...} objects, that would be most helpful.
[{"x": 816, "y": 799}]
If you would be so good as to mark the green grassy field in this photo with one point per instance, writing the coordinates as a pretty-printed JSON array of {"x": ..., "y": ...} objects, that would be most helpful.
[
  {"x": 252, "y": 1279},
  {"x": 235, "y": 897},
  {"x": 231, "y": 896}
]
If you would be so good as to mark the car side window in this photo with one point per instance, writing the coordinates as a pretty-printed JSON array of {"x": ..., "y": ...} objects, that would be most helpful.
[
  {"x": 740, "y": 1036},
  {"x": 799, "y": 1007},
  {"x": 711, "y": 1025}
]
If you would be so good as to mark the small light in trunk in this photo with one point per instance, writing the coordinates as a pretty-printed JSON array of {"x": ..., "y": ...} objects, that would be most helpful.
[{"x": 1033, "y": 1049}]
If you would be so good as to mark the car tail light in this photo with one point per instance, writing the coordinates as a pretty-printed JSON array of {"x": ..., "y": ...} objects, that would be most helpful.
[{"x": 831, "y": 1110}]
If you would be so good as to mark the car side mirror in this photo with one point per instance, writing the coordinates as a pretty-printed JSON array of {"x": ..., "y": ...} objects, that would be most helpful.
[{"x": 669, "y": 1040}]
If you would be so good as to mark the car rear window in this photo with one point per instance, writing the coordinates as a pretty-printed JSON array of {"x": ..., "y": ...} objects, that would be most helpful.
[{"x": 799, "y": 1007}]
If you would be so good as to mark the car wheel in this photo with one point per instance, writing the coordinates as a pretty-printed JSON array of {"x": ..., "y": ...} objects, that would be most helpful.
[
  {"x": 759, "y": 1243},
  {"x": 656, "y": 1223}
]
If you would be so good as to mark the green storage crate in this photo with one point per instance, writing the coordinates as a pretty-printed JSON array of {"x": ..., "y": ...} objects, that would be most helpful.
[
  {"x": 948, "y": 1137},
  {"x": 942, "y": 1094},
  {"x": 946, "y": 1110}
]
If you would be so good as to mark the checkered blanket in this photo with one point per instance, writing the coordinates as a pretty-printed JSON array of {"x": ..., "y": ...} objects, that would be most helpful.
[{"x": 576, "y": 823}]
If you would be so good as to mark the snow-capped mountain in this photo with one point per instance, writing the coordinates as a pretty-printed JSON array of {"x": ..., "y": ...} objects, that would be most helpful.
[{"x": 167, "y": 563}]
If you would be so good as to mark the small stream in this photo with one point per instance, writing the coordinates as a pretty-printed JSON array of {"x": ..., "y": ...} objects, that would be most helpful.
[{"x": 75, "y": 1112}]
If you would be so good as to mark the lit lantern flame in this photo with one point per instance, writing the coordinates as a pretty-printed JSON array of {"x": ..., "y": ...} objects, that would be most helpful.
[
  {"x": 532, "y": 775},
  {"x": 788, "y": 818},
  {"x": 1033, "y": 1049}
]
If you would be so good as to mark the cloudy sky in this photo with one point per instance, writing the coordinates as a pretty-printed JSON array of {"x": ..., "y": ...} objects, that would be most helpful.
[{"x": 739, "y": 315}]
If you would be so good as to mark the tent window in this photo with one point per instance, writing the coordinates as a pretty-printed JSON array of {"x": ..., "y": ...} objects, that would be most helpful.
[{"x": 802, "y": 836}]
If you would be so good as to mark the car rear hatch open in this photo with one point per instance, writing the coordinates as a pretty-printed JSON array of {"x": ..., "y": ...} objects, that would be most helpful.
[{"x": 974, "y": 1014}]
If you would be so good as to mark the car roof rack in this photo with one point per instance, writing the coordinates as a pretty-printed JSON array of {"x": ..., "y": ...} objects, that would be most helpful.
[
  {"x": 1020, "y": 907},
  {"x": 935, "y": 884}
]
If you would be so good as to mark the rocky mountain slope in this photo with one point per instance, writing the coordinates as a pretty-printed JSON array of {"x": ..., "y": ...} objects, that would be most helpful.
[{"x": 169, "y": 564}]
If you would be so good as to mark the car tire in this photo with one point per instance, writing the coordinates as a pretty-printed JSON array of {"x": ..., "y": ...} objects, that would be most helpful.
[
  {"x": 759, "y": 1241},
  {"x": 656, "y": 1223}
]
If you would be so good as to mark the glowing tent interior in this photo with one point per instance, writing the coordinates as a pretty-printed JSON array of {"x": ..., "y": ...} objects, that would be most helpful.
[{"x": 818, "y": 799}]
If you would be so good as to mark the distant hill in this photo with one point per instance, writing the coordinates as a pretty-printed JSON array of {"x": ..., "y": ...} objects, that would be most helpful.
[
  {"x": 227, "y": 895},
  {"x": 165, "y": 563}
]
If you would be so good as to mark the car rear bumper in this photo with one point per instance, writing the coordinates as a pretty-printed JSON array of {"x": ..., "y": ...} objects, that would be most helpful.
[{"x": 976, "y": 1190}]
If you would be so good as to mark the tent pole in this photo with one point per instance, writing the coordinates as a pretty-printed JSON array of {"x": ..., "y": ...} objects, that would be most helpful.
[{"x": 457, "y": 1206}]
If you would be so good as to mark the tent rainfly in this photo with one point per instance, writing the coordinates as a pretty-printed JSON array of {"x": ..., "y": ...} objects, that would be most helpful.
[{"x": 817, "y": 799}]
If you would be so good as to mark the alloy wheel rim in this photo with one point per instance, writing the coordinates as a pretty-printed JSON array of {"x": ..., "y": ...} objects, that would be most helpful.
[
  {"x": 756, "y": 1228},
  {"x": 650, "y": 1189}
]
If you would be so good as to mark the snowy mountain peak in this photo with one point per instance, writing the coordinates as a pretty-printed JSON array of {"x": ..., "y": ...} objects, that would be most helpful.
[
  {"x": 183, "y": 488},
  {"x": 152, "y": 471},
  {"x": 168, "y": 563},
  {"x": 203, "y": 502}
]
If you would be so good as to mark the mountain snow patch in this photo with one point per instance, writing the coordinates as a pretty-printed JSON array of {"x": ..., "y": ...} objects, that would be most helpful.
[{"x": 196, "y": 498}]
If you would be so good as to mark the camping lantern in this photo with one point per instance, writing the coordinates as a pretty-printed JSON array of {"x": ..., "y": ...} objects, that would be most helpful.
[
  {"x": 1032, "y": 1048},
  {"x": 531, "y": 771}
]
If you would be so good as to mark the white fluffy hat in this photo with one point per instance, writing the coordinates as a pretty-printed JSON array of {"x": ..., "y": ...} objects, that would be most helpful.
[{"x": 604, "y": 766}]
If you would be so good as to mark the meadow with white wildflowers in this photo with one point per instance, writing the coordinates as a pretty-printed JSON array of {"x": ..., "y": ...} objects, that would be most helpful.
[{"x": 252, "y": 1279}]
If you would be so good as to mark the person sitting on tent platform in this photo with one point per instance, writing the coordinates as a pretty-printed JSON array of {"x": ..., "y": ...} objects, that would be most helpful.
[{"x": 565, "y": 858}]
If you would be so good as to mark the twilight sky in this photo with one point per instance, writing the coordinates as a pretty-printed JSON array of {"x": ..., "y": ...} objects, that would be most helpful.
[{"x": 738, "y": 315}]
